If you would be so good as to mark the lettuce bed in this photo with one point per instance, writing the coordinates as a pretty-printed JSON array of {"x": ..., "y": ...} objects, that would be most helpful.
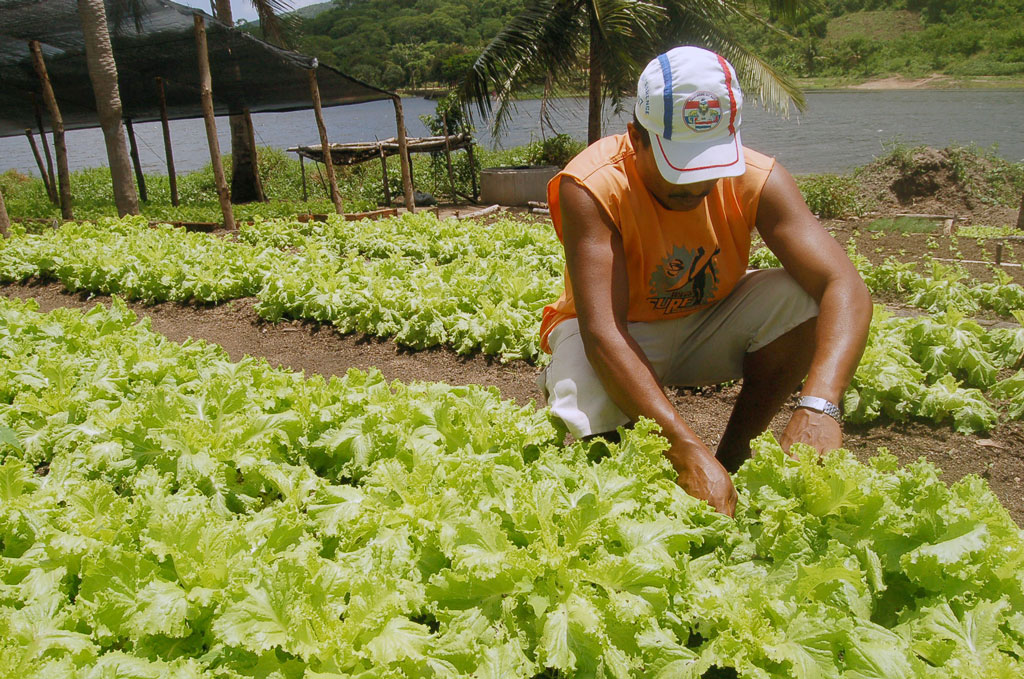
[{"x": 165, "y": 512}]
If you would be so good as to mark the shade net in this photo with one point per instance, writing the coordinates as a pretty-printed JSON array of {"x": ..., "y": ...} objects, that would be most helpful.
[{"x": 151, "y": 39}]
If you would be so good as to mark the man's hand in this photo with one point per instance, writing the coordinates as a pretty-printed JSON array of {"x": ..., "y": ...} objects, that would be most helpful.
[
  {"x": 817, "y": 430},
  {"x": 703, "y": 476}
]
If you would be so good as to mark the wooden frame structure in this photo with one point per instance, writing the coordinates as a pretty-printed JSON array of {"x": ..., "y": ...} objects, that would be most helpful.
[{"x": 354, "y": 153}]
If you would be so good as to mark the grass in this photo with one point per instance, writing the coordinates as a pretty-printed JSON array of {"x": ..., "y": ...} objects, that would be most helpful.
[{"x": 904, "y": 225}]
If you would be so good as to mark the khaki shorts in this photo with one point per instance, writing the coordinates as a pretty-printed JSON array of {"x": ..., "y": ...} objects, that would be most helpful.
[{"x": 704, "y": 348}]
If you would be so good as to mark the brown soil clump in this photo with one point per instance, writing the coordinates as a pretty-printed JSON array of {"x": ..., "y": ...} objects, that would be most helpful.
[{"x": 974, "y": 186}]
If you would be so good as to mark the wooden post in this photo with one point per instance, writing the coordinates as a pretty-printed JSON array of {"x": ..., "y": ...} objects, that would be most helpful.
[
  {"x": 251, "y": 132},
  {"x": 384, "y": 171},
  {"x": 166, "y": 125},
  {"x": 39, "y": 161},
  {"x": 448, "y": 156},
  {"x": 206, "y": 94},
  {"x": 133, "y": 149},
  {"x": 1020, "y": 214},
  {"x": 314, "y": 90},
  {"x": 302, "y": 166},
  {"x": 403, "y": 153},
  {"x": 472, "y": 170},
  {"x": 51, "y": 187},
  {"x": 57, "y": 123},
  {"x": 5, "y": 221}
]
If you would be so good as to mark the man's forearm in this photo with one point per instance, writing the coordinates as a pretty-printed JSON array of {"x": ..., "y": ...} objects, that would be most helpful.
[
  {"x": 843, "y": 320},
  {"x": 629, "y": 379}
]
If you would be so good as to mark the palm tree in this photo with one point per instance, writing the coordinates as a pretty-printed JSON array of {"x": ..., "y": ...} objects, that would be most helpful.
[
  {"x": 245, "y": 181},
  {"x": 612, "y": 40},
  {"x": 99, "y": 57},
  {"x": 5, "y": 221}
]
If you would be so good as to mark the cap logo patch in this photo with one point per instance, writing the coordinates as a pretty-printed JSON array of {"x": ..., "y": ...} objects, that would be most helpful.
[{"x": 702, "y": 111}]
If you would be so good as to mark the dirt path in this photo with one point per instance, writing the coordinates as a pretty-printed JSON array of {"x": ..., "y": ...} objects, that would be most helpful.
[{"x": 310, "y": 348}]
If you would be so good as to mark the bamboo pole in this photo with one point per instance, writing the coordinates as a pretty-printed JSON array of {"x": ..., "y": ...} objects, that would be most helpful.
[
  {"x": 448, "y": 156},
  {"x": 51, "y": 187},
  {"x": 206, "y": 94},
  {"x": 472, "y": 171},
  {"x": 133, "y": 150},
  {"x": 57, "y": 123},
  {"x": 384, "y": 171},
  {"x": 251, "y": 134},
  {"x": 172, "y": 178},
  {"x": 403, "y": 153},
  {"x": 39, "y": 159},
  {"x": 302, "y": 166},
  {"x": 5, "y": 221},
  {"x": 314, "y": 90}
]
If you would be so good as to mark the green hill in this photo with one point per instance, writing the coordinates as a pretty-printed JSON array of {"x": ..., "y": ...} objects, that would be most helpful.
[
  {"x": 416, "y": 43},
  {"x": 866, "y": 38}
]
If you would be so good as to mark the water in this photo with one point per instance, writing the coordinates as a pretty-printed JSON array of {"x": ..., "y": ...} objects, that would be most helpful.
[{"x": 838, "y": 132}]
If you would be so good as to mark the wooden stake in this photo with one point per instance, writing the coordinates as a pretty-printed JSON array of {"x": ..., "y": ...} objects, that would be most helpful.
[
  {"x": 133, "y": 149},
  {"x": 39, "y": 160},
  {"x": 5, "y": 221},
  {"x": 448, "y": 156},
  {"x": 260, "y": 195},
  {"x": 314, "y": 90},
  {"x": 384, "y": 171},
  {"x": 403, "y": 153},
  {"x": 206, "y": 94},
  {"x": 166, "y": 125},
  {"x": 51, "y": 187},
  {"x": 57, "y": 123},
  {"x": 302, "y": 166},
  {"x": 472, "y": 171}
]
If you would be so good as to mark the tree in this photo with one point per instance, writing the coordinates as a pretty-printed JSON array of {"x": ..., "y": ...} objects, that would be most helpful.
[
  {"x": 99, "y": 57},
  {"x": 552, "y": 41},
  {"x": 245, "y": 181}
]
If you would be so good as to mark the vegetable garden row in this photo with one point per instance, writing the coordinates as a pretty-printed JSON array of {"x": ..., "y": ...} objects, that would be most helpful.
[
  {"x": 480, "y": 288},
  {"x": 165, "y": 512}
]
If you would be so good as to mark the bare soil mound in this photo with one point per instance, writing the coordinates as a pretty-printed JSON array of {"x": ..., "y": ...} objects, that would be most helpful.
[{"x": 965, "y": 182}]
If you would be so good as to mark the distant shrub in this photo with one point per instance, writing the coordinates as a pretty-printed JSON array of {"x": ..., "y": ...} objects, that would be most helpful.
[
  {"x": 831, "y": 196},
  {"x": 557, "y": 150}
]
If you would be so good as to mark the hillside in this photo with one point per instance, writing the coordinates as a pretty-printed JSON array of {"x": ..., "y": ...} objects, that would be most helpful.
[
  {"x": 413, "y": 43},
  {"x": 858, "y": 39}
]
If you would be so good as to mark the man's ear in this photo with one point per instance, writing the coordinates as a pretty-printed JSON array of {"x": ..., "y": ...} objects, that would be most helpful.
[{"x": 634, "y": 136}]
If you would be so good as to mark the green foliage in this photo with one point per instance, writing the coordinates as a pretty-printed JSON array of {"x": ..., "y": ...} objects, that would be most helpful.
[
  {"x": 831, "y": 196},
  {"x": 903, "y": 225},
  {"x": 405, "y": 44},
  {"x": 557, "y": 150},
  {"x": 864, "y": 38},
  {"x": 201, "y": 518}
]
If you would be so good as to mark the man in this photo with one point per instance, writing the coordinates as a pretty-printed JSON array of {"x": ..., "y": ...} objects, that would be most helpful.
[{"x": 656, "y": 228}]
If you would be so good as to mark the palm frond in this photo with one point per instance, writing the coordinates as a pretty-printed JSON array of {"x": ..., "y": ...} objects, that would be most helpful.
[
  {"x": 277, "y": 21},
  {"x": 543, "y": 39}
]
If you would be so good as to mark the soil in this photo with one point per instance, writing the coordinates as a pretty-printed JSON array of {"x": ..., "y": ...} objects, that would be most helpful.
[{"x": 997, "y": 456}]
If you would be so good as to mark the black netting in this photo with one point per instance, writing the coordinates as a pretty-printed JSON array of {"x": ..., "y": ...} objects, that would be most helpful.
[{"x": 154, "y": 39}]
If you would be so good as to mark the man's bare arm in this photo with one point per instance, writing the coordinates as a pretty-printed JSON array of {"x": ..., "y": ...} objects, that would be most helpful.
[
  {"x": 821, "y": 267},
  {"x": 597, "y": 268}
]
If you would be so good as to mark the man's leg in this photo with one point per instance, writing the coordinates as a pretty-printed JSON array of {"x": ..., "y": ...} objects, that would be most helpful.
[{"x": 770, "y": 376}]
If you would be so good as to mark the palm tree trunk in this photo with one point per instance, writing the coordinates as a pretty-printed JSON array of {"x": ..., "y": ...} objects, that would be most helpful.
[
  {"x": 243, "y": 174},
  {"x": 99, "y": 57},
  {"x": 594, "y": 87},
  {"x": 5, "y": 221}
]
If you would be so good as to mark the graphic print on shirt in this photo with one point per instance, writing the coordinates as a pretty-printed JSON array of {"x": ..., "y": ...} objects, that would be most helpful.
[{"x": 686, "y": 278}]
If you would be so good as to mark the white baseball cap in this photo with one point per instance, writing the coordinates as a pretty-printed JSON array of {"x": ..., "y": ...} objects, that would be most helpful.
[{"x": 690, "y": 101}]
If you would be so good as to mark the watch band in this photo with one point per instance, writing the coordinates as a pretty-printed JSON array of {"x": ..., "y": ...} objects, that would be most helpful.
[{"x": 820, "y": 405}]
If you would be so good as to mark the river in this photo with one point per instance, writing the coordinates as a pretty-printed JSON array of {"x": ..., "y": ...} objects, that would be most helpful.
[{"x": 840, "y": 130}]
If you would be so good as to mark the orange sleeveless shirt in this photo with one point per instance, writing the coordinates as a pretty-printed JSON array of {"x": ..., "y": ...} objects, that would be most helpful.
[{"x": 677, "y": 262}]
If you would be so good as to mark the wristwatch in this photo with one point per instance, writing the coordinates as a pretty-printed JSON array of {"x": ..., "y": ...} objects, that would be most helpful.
[{"x": 822, "y": 406}]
